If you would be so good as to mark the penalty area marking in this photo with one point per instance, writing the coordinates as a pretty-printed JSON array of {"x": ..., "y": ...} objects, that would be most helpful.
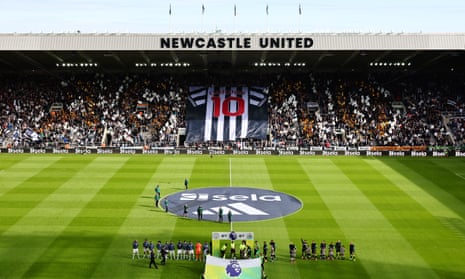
[{"x": 460, "y": 175}]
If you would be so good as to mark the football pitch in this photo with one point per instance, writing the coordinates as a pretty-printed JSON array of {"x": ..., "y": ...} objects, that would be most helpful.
[{"x": 76, "y": 216}]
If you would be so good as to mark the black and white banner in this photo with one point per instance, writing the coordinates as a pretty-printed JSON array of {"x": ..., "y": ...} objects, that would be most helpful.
[{"x": 226, "y": 113}]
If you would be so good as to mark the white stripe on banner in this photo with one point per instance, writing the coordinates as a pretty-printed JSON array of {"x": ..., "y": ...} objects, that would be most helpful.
[
  {"x": 220, "y": 127},
  {"x": 254, "y": 102},
  {"x": 208, "y": 116},
  {"x": 245, "y": 116},
  {"x": 232, "y": 119},
  {"x": 196, "y": 95},
  {"x": 197, "y": 99},
  {"x": 247, "y": 208},
  {"x": 257, "y": 94}
]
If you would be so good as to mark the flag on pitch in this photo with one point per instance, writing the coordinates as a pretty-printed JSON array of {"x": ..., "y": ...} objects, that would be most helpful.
[{"x": 226, "y": 113}]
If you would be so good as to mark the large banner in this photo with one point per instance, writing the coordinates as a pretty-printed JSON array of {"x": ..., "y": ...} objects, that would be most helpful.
[
  {"x": 218, "y": 268},
  {"x": 226, "y": 113}
]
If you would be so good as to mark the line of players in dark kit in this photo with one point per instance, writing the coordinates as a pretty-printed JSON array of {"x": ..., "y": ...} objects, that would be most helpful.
[
  {"x": 189, "y": 251},
  {"x": 331, "y": 251},
  {"x": 186, "y": 250}
]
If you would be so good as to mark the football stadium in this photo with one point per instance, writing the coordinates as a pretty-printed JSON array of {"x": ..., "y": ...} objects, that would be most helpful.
[{"x": 238, "y": 155}]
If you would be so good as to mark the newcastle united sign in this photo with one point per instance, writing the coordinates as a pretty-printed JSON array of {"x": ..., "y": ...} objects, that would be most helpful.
[{"x": 218, "y": 42}]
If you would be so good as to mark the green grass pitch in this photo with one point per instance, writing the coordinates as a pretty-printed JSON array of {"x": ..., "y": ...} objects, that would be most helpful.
[{"x": 74, "y": 216}]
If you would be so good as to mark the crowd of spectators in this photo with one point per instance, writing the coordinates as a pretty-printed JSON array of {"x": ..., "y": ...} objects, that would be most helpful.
[
  {"x": 89, "y": 110},
  {"x": 353, "y": 111},
  {"x": 304, "y": 110}
]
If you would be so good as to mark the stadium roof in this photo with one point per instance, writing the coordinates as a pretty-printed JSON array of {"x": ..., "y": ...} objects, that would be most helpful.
[{"x": 218, "y": 52}]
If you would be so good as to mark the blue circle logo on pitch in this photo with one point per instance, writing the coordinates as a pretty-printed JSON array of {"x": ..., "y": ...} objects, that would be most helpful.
[{"x": 243, "y": 203}]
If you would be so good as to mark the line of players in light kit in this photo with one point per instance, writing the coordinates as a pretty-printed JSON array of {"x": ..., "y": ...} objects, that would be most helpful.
[{"x": 181, "y": 251}]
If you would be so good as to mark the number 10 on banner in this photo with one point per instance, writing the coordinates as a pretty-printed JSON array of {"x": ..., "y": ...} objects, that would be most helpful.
[{"x": 225, "y": 107}]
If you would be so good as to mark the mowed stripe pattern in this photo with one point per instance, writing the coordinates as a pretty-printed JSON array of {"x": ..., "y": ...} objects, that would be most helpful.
[{"x": 76, "y": 216}]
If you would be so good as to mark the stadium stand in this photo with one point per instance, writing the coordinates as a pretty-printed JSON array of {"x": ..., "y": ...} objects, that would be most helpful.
[{"x": 320, "y": 109}]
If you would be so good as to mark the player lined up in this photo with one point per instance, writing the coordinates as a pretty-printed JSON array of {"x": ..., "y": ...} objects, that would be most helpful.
[
  {"x": 246, "y": 251},
  {"x": 183, "y": 250},
  {"x": 331, "y": 251}
]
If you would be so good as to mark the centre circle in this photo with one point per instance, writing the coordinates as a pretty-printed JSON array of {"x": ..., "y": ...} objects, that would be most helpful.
[{"x": 241, "y": 203}]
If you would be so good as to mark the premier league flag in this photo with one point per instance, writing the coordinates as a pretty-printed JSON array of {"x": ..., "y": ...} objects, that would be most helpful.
[
  {"x": 219, "y": 268},
  {"x": 226, "y": 113}
]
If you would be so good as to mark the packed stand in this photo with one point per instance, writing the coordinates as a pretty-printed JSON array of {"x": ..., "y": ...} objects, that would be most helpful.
[
  {"x": 324, "y": 110},
  {"x": 90, "y": 111},
  {"x": 286, "y": 107}
]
